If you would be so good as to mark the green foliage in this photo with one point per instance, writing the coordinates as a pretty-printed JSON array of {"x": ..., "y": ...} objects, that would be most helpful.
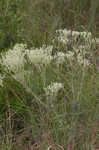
[
  {"x": 69, "y": 119},
  {"x": 11, "y": 22},
  {"x": 44, "y": 17},
  {"x": 36, "y": 21}
]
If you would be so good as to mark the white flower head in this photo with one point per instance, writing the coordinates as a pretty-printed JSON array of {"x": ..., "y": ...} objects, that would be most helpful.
[
  {"x": 63, "y": 36},
  {"x": 20, "y": 47},
  {"x": 53, "y": 88},
  {"x": 68, "y": 36},
  {"x": 86, "y": 35},
  {"x": 41, "y": 55},
  {"x": 13, "y": 59}
]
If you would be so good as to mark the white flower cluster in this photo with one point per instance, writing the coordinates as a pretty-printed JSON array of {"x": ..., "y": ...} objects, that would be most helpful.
[
  {"x": 53, "y": 89},
  {"x": 65, "y": 36},
  {"x": 41, "y": 55},
  {"x": 77, "y": 45},
  {"x": 13, "y": 59},
  {"x": 86, "y": 36}
]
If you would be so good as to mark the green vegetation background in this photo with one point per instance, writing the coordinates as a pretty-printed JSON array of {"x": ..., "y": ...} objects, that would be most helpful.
[{"x": 35, "y": 21}]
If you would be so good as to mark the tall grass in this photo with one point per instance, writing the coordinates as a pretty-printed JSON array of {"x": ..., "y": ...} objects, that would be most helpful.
[
  {"x": 45, "y": 17},
  {"x": 49, "y": 87},
  {"x": 49, "y": 95}
]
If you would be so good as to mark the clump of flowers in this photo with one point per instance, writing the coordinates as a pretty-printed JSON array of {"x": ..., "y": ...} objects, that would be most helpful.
[
  {"x": 75, "y": 45},
  {"x": 63, "y": 36},
  {"x": 13, "y": 59},
  {"x": 53, "y": 89},
  {"x": 68, "y": 37},
  {"x": 18, "y": 60},
  {"x": 41, "y": 55}
]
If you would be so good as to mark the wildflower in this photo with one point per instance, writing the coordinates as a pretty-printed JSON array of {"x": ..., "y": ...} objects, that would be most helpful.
[
  {"x": 21, "y": 47},
  {"x": 68, "y": 36},
  {"x": 42, "y": 55},
  {"x": 13, "y": 59},
  {"x": 53, "y": 89},
  {"x": 75, "y": 33},
  {"x": 63, "y": 36},
  {"x": 86, "y": 35}
]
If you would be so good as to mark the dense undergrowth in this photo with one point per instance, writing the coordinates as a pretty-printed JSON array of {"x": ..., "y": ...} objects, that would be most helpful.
[
  {"x": 53, "y": 91},
  {"x": 49, "y": 80}
]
